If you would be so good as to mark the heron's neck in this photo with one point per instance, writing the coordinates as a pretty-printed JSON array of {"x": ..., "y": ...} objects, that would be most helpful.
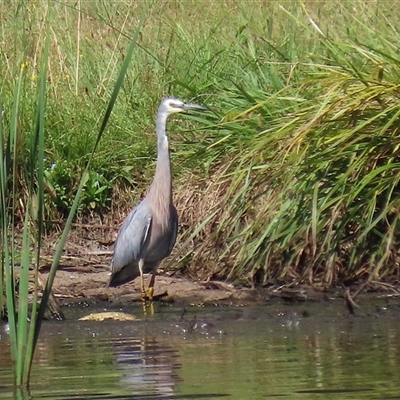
[{"x": 162, "y": 182}]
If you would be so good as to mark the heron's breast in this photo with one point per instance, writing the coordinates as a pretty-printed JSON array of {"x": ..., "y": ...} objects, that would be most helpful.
[{"x": 159, "y": 240}]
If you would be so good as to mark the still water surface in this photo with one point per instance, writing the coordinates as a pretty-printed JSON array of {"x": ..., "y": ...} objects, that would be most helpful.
[{"x": 309, "y": 351}]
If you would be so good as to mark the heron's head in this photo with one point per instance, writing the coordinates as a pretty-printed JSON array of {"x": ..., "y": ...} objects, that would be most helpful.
[{"x": 170, "y": 106}]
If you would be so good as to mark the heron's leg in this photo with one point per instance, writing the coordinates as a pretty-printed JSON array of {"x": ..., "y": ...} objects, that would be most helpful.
[
  {"x": 141, "y": 264},
  {"x": 150, "y": 290}
]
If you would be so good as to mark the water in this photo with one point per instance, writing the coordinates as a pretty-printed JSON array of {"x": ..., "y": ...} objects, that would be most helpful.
[{"x": 311, "y": 351}]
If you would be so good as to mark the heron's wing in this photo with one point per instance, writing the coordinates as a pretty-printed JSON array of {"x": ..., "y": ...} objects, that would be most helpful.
[
  {"x": 132, "y": 236},
  {"x": 174, "y": 230}
]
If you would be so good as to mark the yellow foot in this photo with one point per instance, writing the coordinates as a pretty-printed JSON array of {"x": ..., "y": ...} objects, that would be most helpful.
[{"x": 150, "y": 293}]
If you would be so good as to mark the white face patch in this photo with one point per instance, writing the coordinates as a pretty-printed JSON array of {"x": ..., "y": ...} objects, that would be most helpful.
[{"x": 175, "y": 106}]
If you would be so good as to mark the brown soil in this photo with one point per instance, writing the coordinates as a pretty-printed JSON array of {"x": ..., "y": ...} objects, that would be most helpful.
[
  {"x": 79, "y": 285},
  {"x": 84, "y": 271}
]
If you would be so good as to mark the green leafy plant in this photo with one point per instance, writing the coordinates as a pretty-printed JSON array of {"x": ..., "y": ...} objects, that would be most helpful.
[{"x": 303, "y": 159}]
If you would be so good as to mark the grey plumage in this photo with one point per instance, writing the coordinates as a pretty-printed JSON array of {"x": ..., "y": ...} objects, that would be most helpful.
[{"x": 148, "y": 233}]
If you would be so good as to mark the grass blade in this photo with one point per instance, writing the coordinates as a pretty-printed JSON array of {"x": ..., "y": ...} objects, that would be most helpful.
[{"x": 37, "y": 163}]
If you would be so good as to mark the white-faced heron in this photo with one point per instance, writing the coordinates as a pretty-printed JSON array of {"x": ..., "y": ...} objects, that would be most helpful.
[{"x": 148, "y": 233}]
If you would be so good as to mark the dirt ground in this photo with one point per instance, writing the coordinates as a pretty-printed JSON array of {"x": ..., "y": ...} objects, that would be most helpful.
[
  {"x": 84, "y": 271},
  {"x": 73, "y": 286},
  {"x": 89, "y": 283},
  {"x": 77, "y": 285}
]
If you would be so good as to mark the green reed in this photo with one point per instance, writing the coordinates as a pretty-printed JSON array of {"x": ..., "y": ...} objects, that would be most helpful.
[
  {"x": 24, "y": 312},
  {"x": 304, "y": 158}
]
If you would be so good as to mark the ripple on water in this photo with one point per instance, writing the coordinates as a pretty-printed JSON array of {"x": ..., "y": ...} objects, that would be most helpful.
[{"x": 248, "y": 353}]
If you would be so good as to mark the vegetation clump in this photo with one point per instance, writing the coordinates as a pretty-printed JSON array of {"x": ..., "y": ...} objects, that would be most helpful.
[{"x": 292, "y": 175}]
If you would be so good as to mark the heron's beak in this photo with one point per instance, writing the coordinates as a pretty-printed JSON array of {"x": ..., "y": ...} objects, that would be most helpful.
[{"x": 188, "y": 107}]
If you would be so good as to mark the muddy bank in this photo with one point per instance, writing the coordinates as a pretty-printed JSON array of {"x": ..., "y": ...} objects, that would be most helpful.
[
  {"x": 78, "y": 285},
  {"x": 71, "y": 286},
  {"x": 84, "y": 271}
]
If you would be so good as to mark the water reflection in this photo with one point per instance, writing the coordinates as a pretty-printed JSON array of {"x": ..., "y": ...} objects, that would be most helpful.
[
  {"x": 146, "y": 366},
  {"x": 239, "y": 353},
  {"x": 109, "y": 360},
  {"x": 106, "y": 360}
]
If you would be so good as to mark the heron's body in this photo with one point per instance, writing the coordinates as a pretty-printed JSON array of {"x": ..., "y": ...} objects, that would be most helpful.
[
  {"x": 148, "y": 233},
  {"x": 142, "y": 236}
]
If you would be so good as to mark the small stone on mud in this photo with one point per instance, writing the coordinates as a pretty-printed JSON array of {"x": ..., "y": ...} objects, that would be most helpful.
[{"x": 102, "y": 296}]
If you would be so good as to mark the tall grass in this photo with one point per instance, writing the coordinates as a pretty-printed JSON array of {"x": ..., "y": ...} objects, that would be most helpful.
[
  {"x": 24, "y": 313},
  {"x": 16, "y": 266},
  {"x": 306, "y": 156}
]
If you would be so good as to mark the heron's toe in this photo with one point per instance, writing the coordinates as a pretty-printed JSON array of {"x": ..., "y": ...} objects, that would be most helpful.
[{"x": 150, "y": 293}]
